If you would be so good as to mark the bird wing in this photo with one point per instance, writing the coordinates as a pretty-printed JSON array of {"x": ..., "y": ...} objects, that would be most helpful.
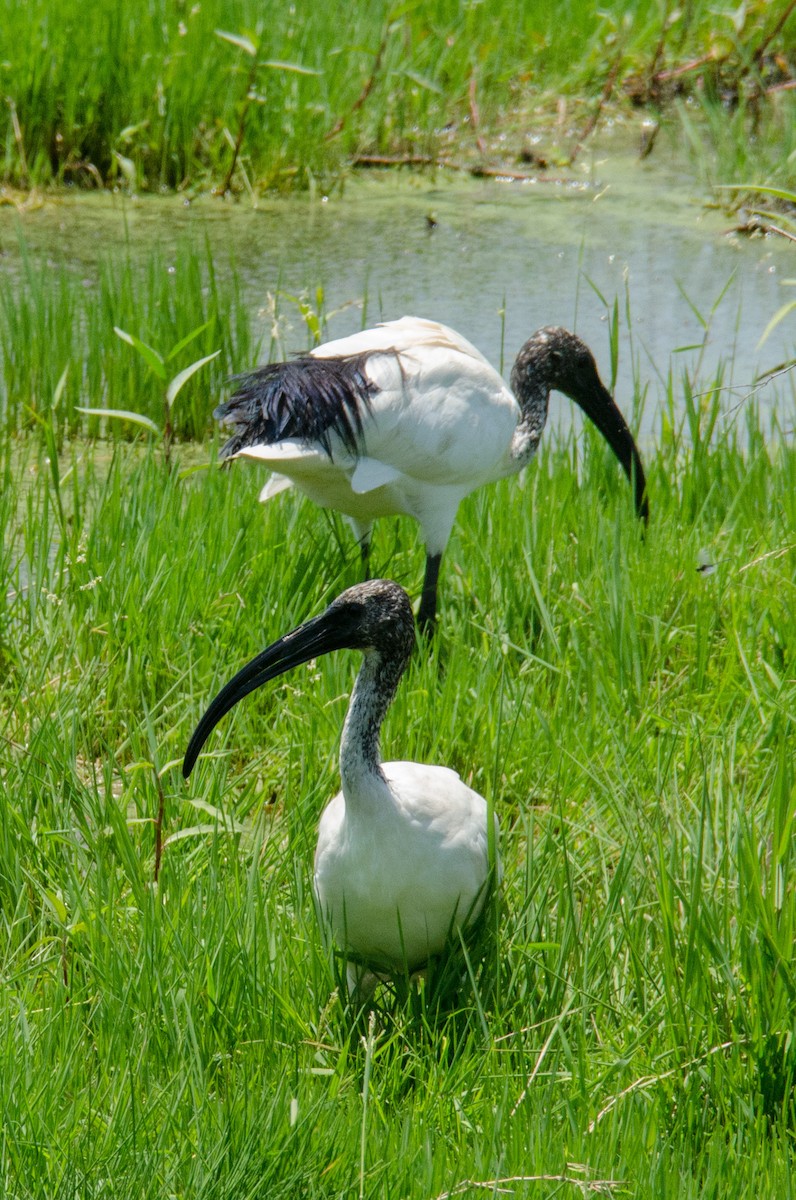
[
  {"x": 411, "y": 396},
  {"x": 439, "y": 415},
  {"x": 392, "y": 886},
  {"x": 438, "y": 411},
  {"x": 399, "y": 337}
]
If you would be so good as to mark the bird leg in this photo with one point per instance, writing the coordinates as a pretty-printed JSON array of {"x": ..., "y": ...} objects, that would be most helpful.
[
  {"x": 427, "y": 612},
  {"x": 361, "y": 531},
  {"x": 364, "y": 554}
]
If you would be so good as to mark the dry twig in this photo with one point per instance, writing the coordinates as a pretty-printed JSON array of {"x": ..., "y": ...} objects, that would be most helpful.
[{"x": 500, "y": 1186}]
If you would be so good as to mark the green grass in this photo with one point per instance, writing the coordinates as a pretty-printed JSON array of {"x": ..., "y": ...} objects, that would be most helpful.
[
  {"x": 631, "y": 717},
  {"x": 153, "y": 97},
  {"x": 741, "y": 146},
  {"x": 156, "y": 297}
]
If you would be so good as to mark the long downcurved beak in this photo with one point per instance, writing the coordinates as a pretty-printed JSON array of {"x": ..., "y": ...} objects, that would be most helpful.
[
  {"x": 332, "y": 630},
  {"x": 600, "y": 407}
]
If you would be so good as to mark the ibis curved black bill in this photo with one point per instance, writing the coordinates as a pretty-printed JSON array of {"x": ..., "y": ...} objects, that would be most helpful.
[
  {"x": 335, "y": 629},
  {"x": 599, "y": 406}
]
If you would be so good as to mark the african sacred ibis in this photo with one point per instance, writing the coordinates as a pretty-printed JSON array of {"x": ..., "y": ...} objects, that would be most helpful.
[
  {"x": 408, "y": 417},
  {"x": 403, "y": 857}
]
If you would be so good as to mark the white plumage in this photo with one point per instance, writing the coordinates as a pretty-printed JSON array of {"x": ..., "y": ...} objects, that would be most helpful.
[
  {"x": 401, "y": 864},
  {"x": 409, "y": 417},
  {"x": 403, "y": 857}
]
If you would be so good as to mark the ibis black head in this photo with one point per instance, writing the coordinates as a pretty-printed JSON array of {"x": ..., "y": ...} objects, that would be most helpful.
[
  {"x": 372, "y": 616},
  {"x": 554, "y": 359}
]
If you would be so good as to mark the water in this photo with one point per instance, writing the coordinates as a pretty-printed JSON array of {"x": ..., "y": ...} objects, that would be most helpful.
[{"x": 466, "y": 252}]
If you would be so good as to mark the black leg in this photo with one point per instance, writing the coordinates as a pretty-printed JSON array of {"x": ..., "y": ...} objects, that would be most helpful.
[
  {"x": 428, "y": 601},
  {"x": 364, "y": 554}
]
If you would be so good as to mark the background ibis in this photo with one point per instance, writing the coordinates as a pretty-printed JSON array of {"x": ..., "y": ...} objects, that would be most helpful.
[{"x": 408, "y": 417}]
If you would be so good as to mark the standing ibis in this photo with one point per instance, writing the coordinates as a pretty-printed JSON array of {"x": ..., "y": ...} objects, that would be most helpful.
[
  {"x": 408, "y": 417},
  {"x": 403, "y": 859}
]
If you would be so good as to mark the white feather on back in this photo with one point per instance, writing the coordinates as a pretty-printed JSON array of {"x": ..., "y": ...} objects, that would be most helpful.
[{"x": 400, "y": 337}]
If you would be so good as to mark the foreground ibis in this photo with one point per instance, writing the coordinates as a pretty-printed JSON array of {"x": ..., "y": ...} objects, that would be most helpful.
[
  {"x": 403, "y": 857},
  {"x": 408, "y": 417}
]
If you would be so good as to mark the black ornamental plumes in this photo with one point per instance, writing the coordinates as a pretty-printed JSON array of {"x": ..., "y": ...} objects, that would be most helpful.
[{"x": 307, "y": 398}]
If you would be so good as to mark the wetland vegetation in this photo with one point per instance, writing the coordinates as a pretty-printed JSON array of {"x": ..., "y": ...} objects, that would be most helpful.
[
  {"x": 219, "y": 94},
  {"x": 169, "y": 1024},
  {"x": 168, "y": 1019}
]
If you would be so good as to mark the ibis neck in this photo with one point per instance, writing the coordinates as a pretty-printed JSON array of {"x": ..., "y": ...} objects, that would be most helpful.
[
  {"x": 360, "y": 759},
  {"x": 532, "y": 398}
]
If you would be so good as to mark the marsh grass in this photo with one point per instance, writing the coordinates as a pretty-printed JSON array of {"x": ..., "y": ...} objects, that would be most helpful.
[
  {"x": 628, "y": 706},
  {"x": 159, "y": 297},
  {"x": 741, "y": 142},
  {"x": 178, "y": 95}
]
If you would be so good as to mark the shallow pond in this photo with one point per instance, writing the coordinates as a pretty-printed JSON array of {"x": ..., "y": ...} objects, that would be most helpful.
[{"x": 465, "y": 251}]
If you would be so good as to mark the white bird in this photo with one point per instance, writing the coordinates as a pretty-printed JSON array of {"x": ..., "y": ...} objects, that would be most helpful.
[
  {"x": 403, "y": 855},
  {"x": 408, "y": 417}
]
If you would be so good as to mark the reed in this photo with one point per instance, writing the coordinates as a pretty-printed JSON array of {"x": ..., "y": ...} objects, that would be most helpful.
[
  {"x": 220, "y": 95},
  {"x": 46, "y": 304}
]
